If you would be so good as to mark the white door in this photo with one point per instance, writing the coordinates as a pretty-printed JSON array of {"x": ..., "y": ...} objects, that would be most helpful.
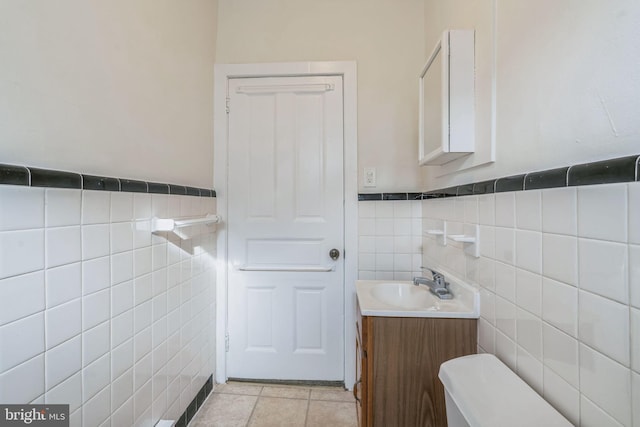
[{"x": 285, "y": 215}]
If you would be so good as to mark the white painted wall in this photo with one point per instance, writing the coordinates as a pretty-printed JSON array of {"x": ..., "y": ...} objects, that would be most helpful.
[
  {"x": 384, "y": 37},
  {"x": 567, "y": 87},
  {"x": 117, "y": 88},
  {"x": 125, "y": 89}
]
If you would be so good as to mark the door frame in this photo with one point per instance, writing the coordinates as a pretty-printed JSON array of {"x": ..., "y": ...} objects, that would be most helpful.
[{"x": 348, "y": 71}]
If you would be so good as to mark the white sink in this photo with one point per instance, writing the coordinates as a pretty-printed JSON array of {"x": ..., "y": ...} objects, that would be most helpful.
[
  {"x": 403, "y": 295},
  {"x": 404, "y": 299}
]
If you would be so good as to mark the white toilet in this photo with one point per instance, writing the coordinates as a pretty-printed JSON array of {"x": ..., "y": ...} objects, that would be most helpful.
[{"x": 481, "y": 391}]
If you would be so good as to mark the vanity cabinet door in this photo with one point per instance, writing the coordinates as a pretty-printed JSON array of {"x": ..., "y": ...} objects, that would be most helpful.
[{"x": 403, "y": 357}]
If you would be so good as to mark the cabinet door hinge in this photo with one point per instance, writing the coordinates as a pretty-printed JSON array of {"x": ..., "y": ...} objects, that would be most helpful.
[
  {"x": 228, "y": 102},
  {"x": 226, "y": 342}
]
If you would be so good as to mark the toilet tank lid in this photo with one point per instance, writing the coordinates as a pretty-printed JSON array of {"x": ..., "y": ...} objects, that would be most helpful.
[{"x": 488, "y": 394}]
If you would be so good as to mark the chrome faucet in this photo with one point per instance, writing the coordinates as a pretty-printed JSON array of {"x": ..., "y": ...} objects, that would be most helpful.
[{"x": 438, "y": 285}]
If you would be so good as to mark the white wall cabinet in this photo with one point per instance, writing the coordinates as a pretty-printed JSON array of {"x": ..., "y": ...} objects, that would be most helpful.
[{"x": 447, "y": 118}]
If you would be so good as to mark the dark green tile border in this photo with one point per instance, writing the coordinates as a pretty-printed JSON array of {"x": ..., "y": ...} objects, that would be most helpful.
[
  {"x": 53, "y": 178},
  {"x": 36, "y": 177},
  {"x": 510, "y": 183},
  {"x": 192, "y": 191},
  {"x": 367, "y": 197},
  {"x": 132, "y": 186},
  {"x": 465, "y": 190},
  {"x": 622, "y": 169},
  {"x": 604, "y": 172},
  {"x": 90, "y": 182},
  {"x": 157, "y": 188},
  {"x": 553, "y": 178},
  {"x": 484, "y": 187},
  {"x": 395, "y": 196},
  {"x": 178, "y": 189},
  {"x": 14, "y": 175}
]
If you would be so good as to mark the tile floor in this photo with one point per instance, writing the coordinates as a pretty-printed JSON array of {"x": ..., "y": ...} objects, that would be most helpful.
[{"x": 262, "y": 405}]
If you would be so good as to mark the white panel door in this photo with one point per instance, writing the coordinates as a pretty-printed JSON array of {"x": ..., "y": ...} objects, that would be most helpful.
[{"x": 285, "y": 186}]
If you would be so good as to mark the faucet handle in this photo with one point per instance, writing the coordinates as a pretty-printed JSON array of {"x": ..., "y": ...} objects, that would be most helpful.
[
  {"x": 435, "y": 274},
  {"x": 438, "y": 277},
  {"x": 440, "y": 281}
]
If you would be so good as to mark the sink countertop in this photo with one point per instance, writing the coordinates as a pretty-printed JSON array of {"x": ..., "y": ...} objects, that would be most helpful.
[{"x": 465, "y": 303}]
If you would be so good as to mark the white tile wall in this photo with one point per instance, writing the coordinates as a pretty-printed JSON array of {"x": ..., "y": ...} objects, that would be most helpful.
[
  {"x": 95, "y": 241},
  {"x": 390, "y": 239},
  {"x": 529, "y": 250},
  {"x": 505, "y": 245},
  {"x": 14, "y": 332},
  {"x": 24, "y": 383},
  {"x": 63, "y": 284},
  {"x": 634, "y": 275},
  {"x": 62, "y": 246},
  {"x": 26, "y": 210},
  {"x": 561, "y": 354},
  {"x": 63, "y": 322},
  {"x": 559, "y": 212},
  {"x": 530, "y": 368},
  {"x": 593, "y": 416},
  {"x": 82, "y": 276},
  {"x": 635, "y": 392},
  {"x": 634, "y": 218},
  {"x": 603, "y": 269},
  {"x": 561, "y": 395},
  {"x": 560, "y": 306},
  {"x": 505, "y": 209},
  {"x": 594, "y": 210},
  {"x": 63, "y": 361},
  {"x": 529, "y": 291},
  {"x": 606, "y": 383},
  {"x": 528, "y": 210},
  {"x": 635, "y": 339},
  {"x": 486, "y": 209},
  {"x": 506, "y": 317},
  {"x": 604, "y": 325},
  {"x": 560, "y": 258},
  {"x": 62, "y": 207},
  {"x": 21, "y": 296},
  {"x": 26, "y": 253},
  {"x": 68, "y": 392},
  {"x": 559, "y": 274},
  {"x": 505, "y": 281}
]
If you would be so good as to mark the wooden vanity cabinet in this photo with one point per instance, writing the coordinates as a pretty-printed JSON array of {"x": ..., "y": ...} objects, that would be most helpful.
[{"x": 397, "y": 363}]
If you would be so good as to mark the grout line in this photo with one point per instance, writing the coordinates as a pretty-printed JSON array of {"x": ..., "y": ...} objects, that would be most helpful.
[
  {"x": 578, "y": 289},
  {"x": 306, "y": 414},
  {"x": 47, "y": 309},
  {"x": 253, "y": 410}
]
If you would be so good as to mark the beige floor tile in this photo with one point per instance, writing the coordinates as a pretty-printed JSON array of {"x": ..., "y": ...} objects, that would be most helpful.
[
  {"x": 334, "y": 414},
  {"x": 279, "y": 412},
  {"x": 288, "y": 392},
  {"x": 335, "y": 395},
  {"x": 238, "y": 388},
  {"x": 225, "y": 410}
]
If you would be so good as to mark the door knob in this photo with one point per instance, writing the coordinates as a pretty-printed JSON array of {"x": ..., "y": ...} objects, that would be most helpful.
[{"x": 334, "y": 254}]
